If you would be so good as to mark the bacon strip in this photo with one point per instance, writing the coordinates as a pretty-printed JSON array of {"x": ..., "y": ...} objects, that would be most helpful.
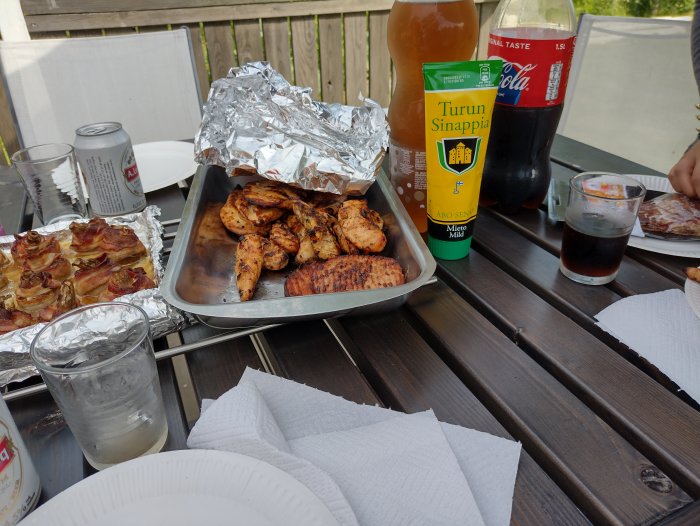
[
  {"x": 93, "y": 274},
  {"x": 126, "y": 281}
]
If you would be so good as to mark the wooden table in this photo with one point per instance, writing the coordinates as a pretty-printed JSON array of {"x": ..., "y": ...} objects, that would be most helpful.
[{"x": 502, "y": 343}]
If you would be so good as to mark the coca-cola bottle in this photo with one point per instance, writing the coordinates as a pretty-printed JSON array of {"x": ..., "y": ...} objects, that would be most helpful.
[{"x": 535, "y": 39}]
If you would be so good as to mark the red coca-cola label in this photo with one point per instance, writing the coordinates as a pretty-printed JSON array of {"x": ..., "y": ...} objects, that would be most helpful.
[
  {"x": 535, "y": 72},
  {"x": 6, "y": 453}
]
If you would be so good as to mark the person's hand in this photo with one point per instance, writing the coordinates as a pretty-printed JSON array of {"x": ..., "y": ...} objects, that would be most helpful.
[{"x": 685, "y": 175}]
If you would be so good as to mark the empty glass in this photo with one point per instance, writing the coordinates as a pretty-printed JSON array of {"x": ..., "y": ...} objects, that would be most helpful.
[
  {"x": 50, "y": 176},
  {"x": 99, "y": 366},
  {"x": 599, "y": 219}
]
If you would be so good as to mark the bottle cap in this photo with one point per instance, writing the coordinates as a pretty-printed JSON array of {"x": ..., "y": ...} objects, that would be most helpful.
[{"x": 449, "y": 249}]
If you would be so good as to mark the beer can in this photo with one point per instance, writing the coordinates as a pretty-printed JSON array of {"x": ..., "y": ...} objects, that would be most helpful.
[
  {"x": 107, "y": 161},
  {"x": 19, "y": 482}
]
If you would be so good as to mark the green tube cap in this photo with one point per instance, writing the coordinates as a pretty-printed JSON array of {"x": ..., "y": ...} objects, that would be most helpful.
[{"x": 449, "y": 250}]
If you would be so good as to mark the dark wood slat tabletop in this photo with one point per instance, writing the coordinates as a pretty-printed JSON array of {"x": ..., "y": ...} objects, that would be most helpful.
[{"x": 501, "y": 342}]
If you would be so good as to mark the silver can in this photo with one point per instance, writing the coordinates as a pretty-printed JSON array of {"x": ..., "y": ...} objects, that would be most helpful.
[
  {"x": 107, "y": 161},
  {"x": 19, "y": 482}
]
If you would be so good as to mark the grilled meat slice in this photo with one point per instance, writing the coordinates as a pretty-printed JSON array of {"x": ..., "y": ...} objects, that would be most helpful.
[
  {"x": 274, "y": 257},
  {"x": 344, "y": 273},
  {"x": 267, "y": 193},
  {"x": 358, "y": 224},
  {"x": 306, "y": 251},
  {"x": 257, "y": 215},
  {"x": 325, "y": 245},
  {"x": 249, "y": 263},
  {"x": 283, "y": 237},
  {"x": 235, "y": 221}
]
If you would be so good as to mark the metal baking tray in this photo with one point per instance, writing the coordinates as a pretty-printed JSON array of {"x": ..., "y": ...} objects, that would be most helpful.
[{"x": 199, "y": 276}]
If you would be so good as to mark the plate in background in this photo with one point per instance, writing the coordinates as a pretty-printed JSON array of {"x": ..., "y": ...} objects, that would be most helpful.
[
  {"x": 164, "y": 163},
  {"x": 688, "y": 249}
]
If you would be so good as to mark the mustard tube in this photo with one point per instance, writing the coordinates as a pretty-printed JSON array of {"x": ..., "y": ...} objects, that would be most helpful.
[{"x": 459, "y": 100}]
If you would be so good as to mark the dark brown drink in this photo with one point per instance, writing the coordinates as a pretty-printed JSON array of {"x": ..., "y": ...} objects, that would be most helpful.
[{"x": 592, "y": 256}]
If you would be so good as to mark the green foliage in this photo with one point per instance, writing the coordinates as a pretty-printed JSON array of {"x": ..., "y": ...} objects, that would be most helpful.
[{"x": 642, "y": 8}]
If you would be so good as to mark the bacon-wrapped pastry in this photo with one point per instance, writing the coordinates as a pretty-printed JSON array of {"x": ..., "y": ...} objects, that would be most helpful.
[
  {"x": 126, "y": 281},
  {"x": 65, "y": 301},
  {"x": 92, "y": 275},
  {"x": 86, "y": 237},
  {"x": 122, "y": 244},
  {"x": 36, "y": 291},
  {"x": 34, "y": 251}
]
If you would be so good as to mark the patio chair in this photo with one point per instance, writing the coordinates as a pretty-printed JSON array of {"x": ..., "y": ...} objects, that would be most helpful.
[
  {"x": 146, "y": 81},
  {"x": 631, "y": 89}
]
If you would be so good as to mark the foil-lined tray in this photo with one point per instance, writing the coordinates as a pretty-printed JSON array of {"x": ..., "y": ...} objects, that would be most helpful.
[
  {"x": 15, "y": 363},
  {"x": 200, "y": 278}
]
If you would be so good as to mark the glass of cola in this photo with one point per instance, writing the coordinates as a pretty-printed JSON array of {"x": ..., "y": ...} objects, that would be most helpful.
[{"x": 599, "y": 219}]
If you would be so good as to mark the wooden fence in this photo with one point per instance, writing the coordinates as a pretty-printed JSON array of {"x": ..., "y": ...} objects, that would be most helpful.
[{"x": 336, "y": 47}]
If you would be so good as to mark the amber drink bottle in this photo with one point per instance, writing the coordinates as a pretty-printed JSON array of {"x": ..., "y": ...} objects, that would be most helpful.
[{"x": 421, "y": 32}]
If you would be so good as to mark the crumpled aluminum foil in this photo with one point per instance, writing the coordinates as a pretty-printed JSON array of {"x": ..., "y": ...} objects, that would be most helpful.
[
  {"x": 255, "y": 120},
  {"x": 15, "y": 363}
]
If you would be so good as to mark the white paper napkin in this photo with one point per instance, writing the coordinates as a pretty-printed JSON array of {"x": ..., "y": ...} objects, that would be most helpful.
[
  {"x": 663, "y": 329},
  {"x": 369, "y": 465}
]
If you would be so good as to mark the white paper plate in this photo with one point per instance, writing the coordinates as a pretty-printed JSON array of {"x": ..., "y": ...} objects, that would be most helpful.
[
  {"x": 688, "y": 249},
  {"x": 692, "y": 294},
  {"x": 164, "y": 163},
  {"x": 182, "y": 488}
]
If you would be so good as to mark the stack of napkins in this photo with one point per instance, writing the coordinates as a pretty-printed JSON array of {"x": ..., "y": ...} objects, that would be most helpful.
[
  {"x": 369, "y": 465},
  {"x": 663, "y": 329}
]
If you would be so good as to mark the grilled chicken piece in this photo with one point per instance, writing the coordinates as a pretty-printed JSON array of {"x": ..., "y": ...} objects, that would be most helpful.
[
  {"x": 258, "y": 215},
  {"x": 356, "y": 221},
  {"x": 274, "y": 257},
  {"x": 235, "y": 221},
  {"x": 249, "y": 262},
  {"x": 270, "y": 194},
  {"x": 284, "y": 238},
  {"x": 328, "y": 215},
  {"x": 314, "y": 221},
  {"x": 306, "y": 252},
  {"x": 344, "y": 273}
]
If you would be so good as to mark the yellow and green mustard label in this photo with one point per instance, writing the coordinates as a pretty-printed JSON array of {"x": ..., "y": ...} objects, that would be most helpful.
[{"x": 459, "y": 100}]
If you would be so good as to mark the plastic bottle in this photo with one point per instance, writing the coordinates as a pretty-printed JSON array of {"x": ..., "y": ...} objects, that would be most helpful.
[
  {"x": 535, "y": 38},
  {"x": 420, "y": 32}
]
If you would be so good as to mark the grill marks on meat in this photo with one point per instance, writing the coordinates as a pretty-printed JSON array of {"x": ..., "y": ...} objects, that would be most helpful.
[
  {"x": 277, "y": 222},
  {"x": 316, "y": 226},
  {"x": 249, "y": 263},
  {"x": 344, "y": 273},
  {"x": 671, "y": 214},
  {"x": 234, "y": 220},
  {"x": 359, "y": 225}
]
